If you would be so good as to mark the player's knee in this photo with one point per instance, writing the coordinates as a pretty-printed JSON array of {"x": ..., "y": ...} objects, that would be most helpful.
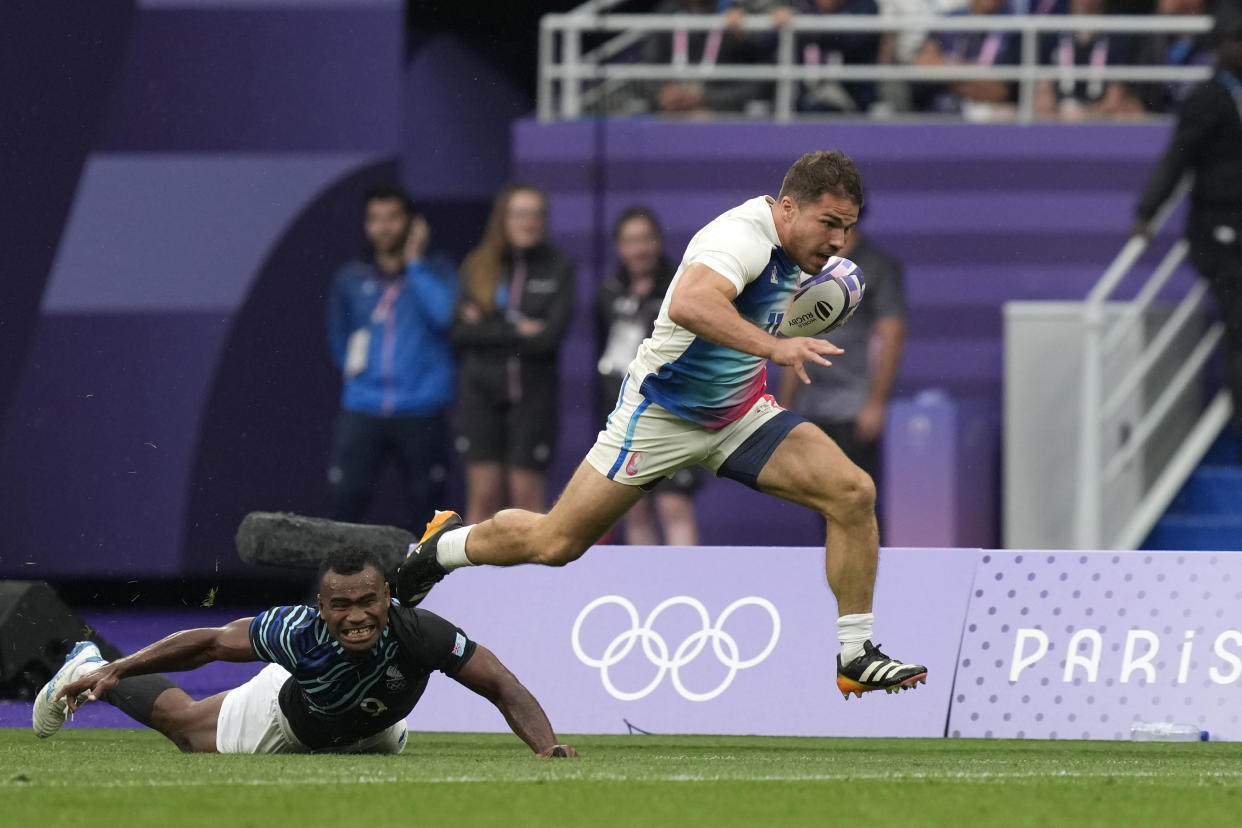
[
  {"x": 559, "y": 552},
  {"x": 852, "y": 498},
  {"x": 196, "y": 744},
  {"x": 183, "y": 733}
]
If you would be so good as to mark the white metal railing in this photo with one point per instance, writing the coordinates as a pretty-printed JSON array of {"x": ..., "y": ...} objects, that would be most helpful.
[
  {"x": 574, "y": 80},
  {"x": 1102, "y": 398}
]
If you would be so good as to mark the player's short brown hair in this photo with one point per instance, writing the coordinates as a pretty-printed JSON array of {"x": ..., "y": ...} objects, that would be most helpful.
[{"x": 820, "y": 172}]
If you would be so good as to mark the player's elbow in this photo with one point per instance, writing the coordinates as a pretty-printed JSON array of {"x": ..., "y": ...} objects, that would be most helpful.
[{"x": 681, "y": 309}]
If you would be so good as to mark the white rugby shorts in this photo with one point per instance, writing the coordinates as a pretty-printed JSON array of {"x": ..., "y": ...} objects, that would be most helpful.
[
  {"x": 251, "y": 722},
  {"x": 643, "y": 442}
]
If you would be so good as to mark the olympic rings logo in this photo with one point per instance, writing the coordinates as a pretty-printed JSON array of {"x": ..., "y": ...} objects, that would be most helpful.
[{"x": 656, "y": 649}]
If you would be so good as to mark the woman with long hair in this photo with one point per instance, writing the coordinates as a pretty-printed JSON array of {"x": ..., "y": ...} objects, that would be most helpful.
[{"x": 517, "y": 297}]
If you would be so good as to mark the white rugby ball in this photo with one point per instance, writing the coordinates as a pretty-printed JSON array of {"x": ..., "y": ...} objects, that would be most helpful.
[{"x": 824, "y": 301}]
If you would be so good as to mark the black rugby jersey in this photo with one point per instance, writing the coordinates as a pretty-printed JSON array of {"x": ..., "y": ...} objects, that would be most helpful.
[{"x": 332, "y": 699}]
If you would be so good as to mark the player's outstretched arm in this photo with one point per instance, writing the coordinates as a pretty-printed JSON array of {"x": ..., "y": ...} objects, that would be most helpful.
[
  {"x": 183, "y": 650},
  {"x": 485, "y": 675},
  {"x": 702, "y": 303}
]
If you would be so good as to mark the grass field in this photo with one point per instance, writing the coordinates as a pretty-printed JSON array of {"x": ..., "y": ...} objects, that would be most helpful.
[{"x": 135, "y": 778}]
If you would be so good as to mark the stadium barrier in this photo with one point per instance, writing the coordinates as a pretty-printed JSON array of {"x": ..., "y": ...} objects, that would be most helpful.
[
  {"x": 577, "y": 81},
  {"x": 742, "y": 640}
]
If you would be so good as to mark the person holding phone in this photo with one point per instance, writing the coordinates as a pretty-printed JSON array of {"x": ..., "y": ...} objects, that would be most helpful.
[{"x": 389, "y": 316}]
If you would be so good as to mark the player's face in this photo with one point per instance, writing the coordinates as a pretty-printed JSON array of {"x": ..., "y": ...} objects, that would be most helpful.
[
  {"x": 355, "y": 607},
  {"x": 817, "y": 230},
  {"x": 525, "y": 219},
  {"x": 638, "y": 246},
  {"x": 386, "y": 224}
]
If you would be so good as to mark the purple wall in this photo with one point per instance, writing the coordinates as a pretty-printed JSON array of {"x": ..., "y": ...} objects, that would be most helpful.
[
  {"x": 60, "y": 103},
  {"x": 175, "y": 373},
  {"x": 258, "y": 78}
]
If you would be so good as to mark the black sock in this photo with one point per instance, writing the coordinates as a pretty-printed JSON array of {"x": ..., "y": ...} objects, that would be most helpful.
[{"x": 135, "y": 696}]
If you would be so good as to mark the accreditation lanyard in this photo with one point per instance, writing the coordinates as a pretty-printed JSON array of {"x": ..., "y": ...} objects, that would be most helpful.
[
  {"x": 990, "y": 50},
  {"x": 681, "y": 48},
  {"x": 814, "y": 55},
  {"x": 383, "y": 308},
  {"x": 1098, "y": 60}
]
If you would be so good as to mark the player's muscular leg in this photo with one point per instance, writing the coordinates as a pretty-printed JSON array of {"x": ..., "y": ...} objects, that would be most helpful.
[
  {"x": 189, "y": 724},
  {"x": 808, "y": 468},
  {"x": 588, "y": 507}
]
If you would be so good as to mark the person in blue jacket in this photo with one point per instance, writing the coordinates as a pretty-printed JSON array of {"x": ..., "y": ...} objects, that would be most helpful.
[{"x": 388, "y": 324}]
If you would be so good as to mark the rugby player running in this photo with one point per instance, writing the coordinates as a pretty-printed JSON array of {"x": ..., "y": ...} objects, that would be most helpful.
[
  {"x": 696, "y": 394},
  {"x": 342, "y": 677}
]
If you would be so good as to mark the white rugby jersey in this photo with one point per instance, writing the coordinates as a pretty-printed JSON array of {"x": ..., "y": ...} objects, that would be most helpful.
[{"x": 698, "y": 380}]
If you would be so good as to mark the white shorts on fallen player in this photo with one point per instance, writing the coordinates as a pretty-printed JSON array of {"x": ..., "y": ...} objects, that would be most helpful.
[
  {"x": 643, "y": 441},
  {"x": 251, "y": 722}
]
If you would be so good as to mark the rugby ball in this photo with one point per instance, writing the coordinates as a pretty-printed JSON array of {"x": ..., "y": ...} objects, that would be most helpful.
[{"x": 824, "y": 301}]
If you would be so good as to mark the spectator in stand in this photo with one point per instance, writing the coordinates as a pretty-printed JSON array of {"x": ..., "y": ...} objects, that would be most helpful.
[
  {"x": 901, "y": 46},
  {"x": 705, "y": 49},
  {"x": 849, "y": 400},
  {"x": 1041, "y": 6},
  {"x": 517, "y": 298},
  {"x": 836, "y": 48},
  {"x": 626, "y": 306},
  {"x": 1173, "y": 49},
  {"x": 1094, "y": 97},
  {"x": 761, "y": 44},
  {"x": 975, "y": 100},
  {"x": 388, "y": 322}
]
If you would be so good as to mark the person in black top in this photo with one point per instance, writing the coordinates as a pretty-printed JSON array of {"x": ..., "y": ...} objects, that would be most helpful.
[
  {"x": 344, "y": 675},
  {"x": 517, "y": 299},
  {"x": 835, "y": 48},
  {"x": 1092, "y": 97},
  {"x": 1208, "y": 142}
]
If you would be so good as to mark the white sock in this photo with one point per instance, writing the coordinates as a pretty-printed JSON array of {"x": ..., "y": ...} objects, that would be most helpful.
[
  {"x": 852, "y": 631},
  {"x": 451, "y": 548}
]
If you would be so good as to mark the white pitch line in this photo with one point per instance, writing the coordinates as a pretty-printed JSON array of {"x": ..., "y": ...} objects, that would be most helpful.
[{"x": 969, "y": 777}]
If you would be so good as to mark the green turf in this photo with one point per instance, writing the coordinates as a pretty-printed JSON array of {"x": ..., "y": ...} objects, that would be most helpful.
[{"x": 135, "y": 778}]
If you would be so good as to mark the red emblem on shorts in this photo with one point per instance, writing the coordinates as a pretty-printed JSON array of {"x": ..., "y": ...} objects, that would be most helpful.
[{"x": 631, "y": 467}]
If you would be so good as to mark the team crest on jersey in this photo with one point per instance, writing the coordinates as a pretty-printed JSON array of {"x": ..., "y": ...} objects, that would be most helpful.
[
  {"x": 631, "y": 466},
  {"x": 394, "y": 679}
]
